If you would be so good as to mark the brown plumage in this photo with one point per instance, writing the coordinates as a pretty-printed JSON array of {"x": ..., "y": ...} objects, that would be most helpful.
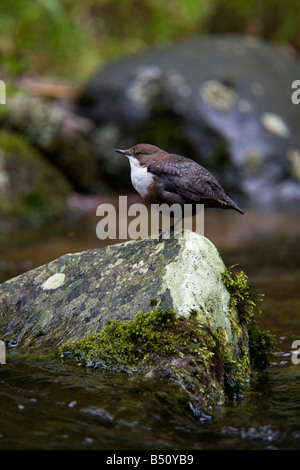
[{"x": 162, "y": 177}]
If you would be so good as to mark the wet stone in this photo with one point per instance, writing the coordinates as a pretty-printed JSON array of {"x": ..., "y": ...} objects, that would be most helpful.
[{"x": 77, "y": 294}]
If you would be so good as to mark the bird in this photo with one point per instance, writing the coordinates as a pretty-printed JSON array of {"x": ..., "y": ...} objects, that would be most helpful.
[{"x": 161, "y": 177}]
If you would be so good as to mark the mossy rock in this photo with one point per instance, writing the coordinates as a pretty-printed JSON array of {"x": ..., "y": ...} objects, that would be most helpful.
[
  {"x": 66, "y": 140},
  {"x": 165, "y": 310},
  {"x": 33, "y": 192},
  {"x": 192, "y": 354},
  {"x": 77, "y": 294},
  {"x": 161, "y": 345}
]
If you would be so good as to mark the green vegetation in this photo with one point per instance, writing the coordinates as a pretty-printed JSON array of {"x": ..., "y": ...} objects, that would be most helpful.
[
  {"x": 142, "y": 342},
  {"x": 261, "y": 346},
  {"x": 72, "y": 39},
  {"x": 261, "y": 343},
  {"x": 158, "y": 344},
  {"x": 270, "y": 19},
  {"x": 194, "y": 356},
  {"x": 241, "y": 297},
  {"x": 33, "y": 191}
]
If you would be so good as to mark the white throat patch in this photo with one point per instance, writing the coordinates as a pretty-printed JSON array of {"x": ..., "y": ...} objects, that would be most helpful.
[{"x": 140, "y": 177}]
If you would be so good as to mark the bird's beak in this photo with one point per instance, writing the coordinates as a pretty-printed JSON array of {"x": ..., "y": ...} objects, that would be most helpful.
[{"x": 123, "y": 152}]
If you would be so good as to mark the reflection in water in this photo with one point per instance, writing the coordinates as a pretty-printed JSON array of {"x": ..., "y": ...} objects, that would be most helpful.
[{"x": 48, "y": 405}]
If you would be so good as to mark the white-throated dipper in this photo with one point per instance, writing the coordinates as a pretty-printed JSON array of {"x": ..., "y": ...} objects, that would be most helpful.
[{"x": 162, "y": 177}]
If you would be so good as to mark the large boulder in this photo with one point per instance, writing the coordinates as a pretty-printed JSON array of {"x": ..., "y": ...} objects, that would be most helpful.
[
  {"x": 224, "y": 101},
  {"x": 77, "y": 294},
  {"x": 164, "y": 309}
]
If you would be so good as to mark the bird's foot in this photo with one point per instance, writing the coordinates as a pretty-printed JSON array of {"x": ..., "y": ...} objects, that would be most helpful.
[
  {"x": 163, "y": 232},
  {"x": 159, "y": 238}
]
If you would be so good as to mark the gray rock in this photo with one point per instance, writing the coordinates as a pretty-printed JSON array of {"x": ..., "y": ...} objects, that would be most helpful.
[
  {"x": 77, "y": 294},
  {"x": 223, "y": 100}
]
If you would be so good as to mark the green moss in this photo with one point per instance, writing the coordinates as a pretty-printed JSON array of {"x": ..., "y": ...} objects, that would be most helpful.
[
  {"x": 195, "y": 357},
  {"x": 241, "y": 297},
  {"x": 261, "y": 346},
  {"x": 34, "y": 193},
  {"x": 261, "y": 343},
  {"x": 200, "y": 360},
  {"x": 130, "y": 343}
]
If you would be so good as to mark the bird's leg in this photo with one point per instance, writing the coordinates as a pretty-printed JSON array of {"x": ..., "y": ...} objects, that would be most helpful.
[
  {"x": 159, "y": 236},
  {"x": 174, "y": 225},
  {"x": 162, "y": 231},
  {"x": 171, "y": 231}
]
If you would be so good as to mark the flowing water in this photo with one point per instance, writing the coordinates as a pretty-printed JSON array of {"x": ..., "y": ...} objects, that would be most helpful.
[{"x": 45, "y": 404}]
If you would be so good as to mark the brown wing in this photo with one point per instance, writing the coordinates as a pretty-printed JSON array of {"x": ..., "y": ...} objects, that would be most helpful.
[{"x": 193, "y": 182}]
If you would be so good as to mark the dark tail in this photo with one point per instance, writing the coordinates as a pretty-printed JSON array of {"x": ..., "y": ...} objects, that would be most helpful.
[
  {"x": 239, "y": 210},
  {"x": 235, "y": 207},
  {"x": 232, "y": 205}
]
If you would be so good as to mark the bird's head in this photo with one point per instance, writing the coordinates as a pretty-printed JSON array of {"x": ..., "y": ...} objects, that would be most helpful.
[{"x": 140, "y": 151}]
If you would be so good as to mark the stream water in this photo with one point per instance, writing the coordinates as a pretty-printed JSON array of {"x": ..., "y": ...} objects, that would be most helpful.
[{"x": 45, "y": 404}]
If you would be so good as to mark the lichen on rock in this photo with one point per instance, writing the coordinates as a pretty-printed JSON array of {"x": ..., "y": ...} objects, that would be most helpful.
[
  {"x": 217, "y": 95},
  {"x": 175, "y": 313}
]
